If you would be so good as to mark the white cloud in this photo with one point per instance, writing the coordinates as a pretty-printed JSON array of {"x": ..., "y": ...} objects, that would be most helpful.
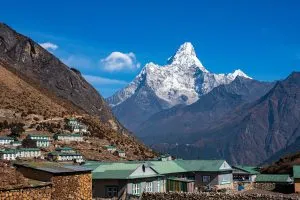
[
  {"x": 49, "y": 46},
  {"x": 118, "y": 61},
  {"x": 97, "y": 80}
]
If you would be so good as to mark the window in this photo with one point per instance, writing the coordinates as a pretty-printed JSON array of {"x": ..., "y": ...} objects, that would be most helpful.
[
  {"x": 136, "y": 188},
  {"x": 111, "y": 191},
  {"x": 205, "y": 179},
  {"x": 225, "y": 179},
  {"x": 158, "y": 186},
  {"x": 149, "y": 186}
]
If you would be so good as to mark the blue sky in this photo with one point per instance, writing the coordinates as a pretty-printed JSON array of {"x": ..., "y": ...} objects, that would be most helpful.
[{"x": 110, "y": 41}]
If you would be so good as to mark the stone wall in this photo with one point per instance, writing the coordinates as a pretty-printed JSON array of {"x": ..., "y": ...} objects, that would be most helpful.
[
  {"x": 265, "y": 186},
  {"x": 73, "y": 187},
  {"x": 211, "y": 196},
  {"x": 28, "y": 193}
]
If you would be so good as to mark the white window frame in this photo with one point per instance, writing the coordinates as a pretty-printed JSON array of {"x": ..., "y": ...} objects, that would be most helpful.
[
  {"x": 136, "y": 188},
  {"x": 224, "y": 180},
  {"x": 149, "y": 187}
]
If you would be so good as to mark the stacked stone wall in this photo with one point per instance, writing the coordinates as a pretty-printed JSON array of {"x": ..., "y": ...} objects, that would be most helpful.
[
  {"x": 28, "y": 193},
  {"x": 73, "y": 187},
  {"x": 213, "y": 196}
]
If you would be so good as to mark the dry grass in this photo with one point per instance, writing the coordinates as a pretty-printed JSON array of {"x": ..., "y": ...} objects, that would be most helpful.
[{"x": 22, "y": 97}]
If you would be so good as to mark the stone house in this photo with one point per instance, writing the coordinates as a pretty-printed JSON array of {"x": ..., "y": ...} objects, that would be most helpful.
[
  {"x": 65, "y": 150},
  {"x": 165, "y": 157},
  {"x": 296, "y": 176},
  {"x": 28, "y": 152},
  {"x": 115, "y": 179},
  {"x": 39, "y": 137},
  {"x": 274, "y": 182},
  {"x": 134, "y": 177},
  {"x": 212, "y": 173},
  {"x": 65, "y": 157},
  {"x": 10, "y": 154},
  {"x": 68, "y": 181},
  {"x": 6, "y": 140},
  {"x": 121, "y": 153},
  {"x": 42, "y": 143},
  {"x": 274, "y": 178},
  {"x": 76, "y": 126},
  {"x": 111, "y": 148},
  {"x": 16, "y": 143},
  {"x": 244, "y": 173},
  {"x": 69, "y": 137}
]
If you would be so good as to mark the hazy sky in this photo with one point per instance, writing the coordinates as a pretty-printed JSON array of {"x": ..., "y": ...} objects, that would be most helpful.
[{"x": 110, "y": 41}]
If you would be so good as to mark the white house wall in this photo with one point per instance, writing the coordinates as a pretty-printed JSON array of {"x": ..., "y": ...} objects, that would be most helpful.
[
  {"x": 139, "y": 172},
  {"x": 225, "y": 166}
]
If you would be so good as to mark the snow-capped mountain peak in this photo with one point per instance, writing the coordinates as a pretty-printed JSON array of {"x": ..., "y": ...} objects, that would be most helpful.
[
  {"x": 186, "y": 57},
  {"x": 182, "y": 81},
  {"x": 239, "y": 72}
]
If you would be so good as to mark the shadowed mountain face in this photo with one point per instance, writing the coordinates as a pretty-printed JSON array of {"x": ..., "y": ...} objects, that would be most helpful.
[
  {"x": 254, "y": 132},
  {"x": 183, "y": 121},
  {"x": 32, "y": 61}
]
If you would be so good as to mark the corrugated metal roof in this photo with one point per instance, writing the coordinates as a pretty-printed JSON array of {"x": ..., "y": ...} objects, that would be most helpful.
[
  {"x": 166, "y": 167},
  {"x": 273, "y": 178},
  {"x": 55, "y": 153},
  {"x": 52, "y": 167},
  {"x": 6, "y": 138},
  {"x": 179, "y": 166},
  {"x": 248, "y": 169},
  {"x": 296, "y": 171},
  {"x": 121, "y": 170}
]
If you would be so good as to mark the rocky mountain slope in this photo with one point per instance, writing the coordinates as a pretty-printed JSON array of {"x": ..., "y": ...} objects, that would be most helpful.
[
  {"x": 256, "y": 131},
  {"x": 181, "y": 82},
  {"x": 30, "y": 60},
  {"x": 36, "y": 88}
]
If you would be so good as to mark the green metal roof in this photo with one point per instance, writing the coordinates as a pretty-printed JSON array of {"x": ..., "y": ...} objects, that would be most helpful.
[
  {"x": 64, "y": 148},
  {"x": 29, "y": 149},
  {"x": 296, "y": 171},
  {"x": 273, "y": 178},
  {"x": 55, "y": 153},
  {"x": 122, "y": 170},
  {"x": 33, "y": 135},
  {"x": 167, "y": 167},
  {"x": 179, "y": 166},
  {"x": 8, "y": 151},
  {"x": 110, "y": 147},
  {"x": 6, "y": 138},
  {"x": 65, "y": 134},
  {"x": 248, "y": 169},
  {"x": 115, "y": 170}
]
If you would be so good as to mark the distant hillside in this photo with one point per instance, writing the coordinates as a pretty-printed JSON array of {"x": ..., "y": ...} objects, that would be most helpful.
[{"x": 283, "y": 165}]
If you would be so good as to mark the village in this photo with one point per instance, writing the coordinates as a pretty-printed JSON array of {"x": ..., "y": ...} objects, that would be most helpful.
[{"x": 49, "y": 163}]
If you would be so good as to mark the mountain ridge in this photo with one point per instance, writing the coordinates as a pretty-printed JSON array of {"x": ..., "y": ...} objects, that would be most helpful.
[{"x": 182, "y": 81}]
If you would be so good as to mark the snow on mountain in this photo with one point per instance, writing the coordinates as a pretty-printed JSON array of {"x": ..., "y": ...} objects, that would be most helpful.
[{"x": 182, "y": 81}]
